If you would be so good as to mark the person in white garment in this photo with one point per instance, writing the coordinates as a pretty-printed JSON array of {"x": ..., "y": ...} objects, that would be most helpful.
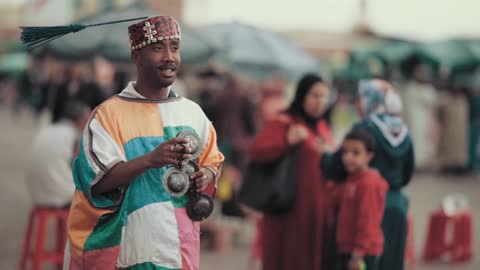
[
  {"x": 420, "y": 107},
  {"x": 49, "y": 173}
]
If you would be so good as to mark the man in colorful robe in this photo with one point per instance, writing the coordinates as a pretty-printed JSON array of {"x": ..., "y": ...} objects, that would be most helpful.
[{"x": 121, "y": 217}]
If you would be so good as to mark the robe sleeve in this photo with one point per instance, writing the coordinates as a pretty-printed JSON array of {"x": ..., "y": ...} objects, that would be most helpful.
[
  {"x": 271, "y": 142},
  {"x": 212, "y": 159},
  {"x": 98, "y": 153}
]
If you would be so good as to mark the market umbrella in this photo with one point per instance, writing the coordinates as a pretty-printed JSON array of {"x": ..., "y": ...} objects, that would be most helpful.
[
  {"x": 112, "y": 41},
  {"x": 258, "y": 52}
]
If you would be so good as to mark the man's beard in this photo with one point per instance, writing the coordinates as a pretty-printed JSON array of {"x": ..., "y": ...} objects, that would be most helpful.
[
  {"x": 163, "y": 83},
  {"x": 159, "y": 82}
]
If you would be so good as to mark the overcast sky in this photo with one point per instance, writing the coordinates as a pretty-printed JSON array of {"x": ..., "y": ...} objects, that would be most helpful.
[
  {"x": 423, "y": 19},
  {"x": 419, "y": 19}
]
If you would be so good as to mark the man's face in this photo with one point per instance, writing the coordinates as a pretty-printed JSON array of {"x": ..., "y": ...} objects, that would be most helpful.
[{"x": 159, "y": 62}]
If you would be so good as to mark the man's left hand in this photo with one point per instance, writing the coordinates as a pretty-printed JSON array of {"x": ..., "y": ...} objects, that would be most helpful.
[{"x": 202, "y": 178}]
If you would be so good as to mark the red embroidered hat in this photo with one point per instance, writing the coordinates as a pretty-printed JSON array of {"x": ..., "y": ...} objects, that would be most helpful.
[{"x": 152, "y": 30}]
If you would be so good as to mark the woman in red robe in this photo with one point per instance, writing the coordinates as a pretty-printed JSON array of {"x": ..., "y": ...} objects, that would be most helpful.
[{"x": 296, "y": 240}]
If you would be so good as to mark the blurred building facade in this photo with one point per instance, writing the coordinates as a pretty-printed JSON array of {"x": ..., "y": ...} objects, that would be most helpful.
[{"x": 333, "y": 48}]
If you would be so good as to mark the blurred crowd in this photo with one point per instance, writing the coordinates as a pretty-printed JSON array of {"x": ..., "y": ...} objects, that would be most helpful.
[
  {"x": 443, "y": 118},
  {"x": 442, "y": 115}
]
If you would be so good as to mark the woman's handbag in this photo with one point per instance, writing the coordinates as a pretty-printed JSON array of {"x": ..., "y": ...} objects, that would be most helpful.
[{"x": 270, "y": 187}]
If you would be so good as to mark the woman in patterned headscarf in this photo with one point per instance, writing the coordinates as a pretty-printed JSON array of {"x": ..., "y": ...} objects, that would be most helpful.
[{"x": 378, "y": 105}]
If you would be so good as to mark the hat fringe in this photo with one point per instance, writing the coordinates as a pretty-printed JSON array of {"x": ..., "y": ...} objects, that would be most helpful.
[{"x": 35, "y": 36}]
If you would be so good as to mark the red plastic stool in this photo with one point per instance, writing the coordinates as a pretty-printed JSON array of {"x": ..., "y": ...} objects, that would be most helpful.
[
  {"x": 38, "y": 221},
  {"x": 460, "y": 247},
  {"x": 410, "y": 245}
]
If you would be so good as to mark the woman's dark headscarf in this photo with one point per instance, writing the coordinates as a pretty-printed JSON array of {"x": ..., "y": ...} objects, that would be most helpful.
[{"x": 296, "y": 107}]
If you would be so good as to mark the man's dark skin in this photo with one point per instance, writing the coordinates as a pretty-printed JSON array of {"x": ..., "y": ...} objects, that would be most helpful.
[{"x": 157, "y": 66}]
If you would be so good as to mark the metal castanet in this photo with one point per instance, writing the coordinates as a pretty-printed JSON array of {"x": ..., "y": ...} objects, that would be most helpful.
[
  {"x": 176, "y": 179},
  {"x": 200, "y": 206},
  {"x": 177, "y": 182},
  {"x": 195, "y": 142}
]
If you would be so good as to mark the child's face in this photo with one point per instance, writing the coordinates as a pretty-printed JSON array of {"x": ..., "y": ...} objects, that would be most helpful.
[{"x": 355, "y": 156}]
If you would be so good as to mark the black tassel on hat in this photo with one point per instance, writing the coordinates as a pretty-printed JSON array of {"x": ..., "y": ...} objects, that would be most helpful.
[{"x": 35, "y": 36}]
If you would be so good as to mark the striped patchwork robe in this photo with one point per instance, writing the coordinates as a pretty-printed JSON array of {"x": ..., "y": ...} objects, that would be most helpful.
[{"x": 139, "y": 226}]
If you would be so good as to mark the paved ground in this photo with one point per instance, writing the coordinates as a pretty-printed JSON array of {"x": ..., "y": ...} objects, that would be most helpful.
[{"x": 15, "y": 138}]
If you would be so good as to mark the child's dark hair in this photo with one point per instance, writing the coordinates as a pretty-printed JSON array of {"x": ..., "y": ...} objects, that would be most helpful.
[{"x": 360, "y": 134}]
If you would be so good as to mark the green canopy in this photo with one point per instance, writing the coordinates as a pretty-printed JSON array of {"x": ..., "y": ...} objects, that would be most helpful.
[
  {"x": 350, "y": 73},
  {"x": 474, "y": 47},
  {"x": 365, "y": 63},
  {"x": 452, "y": 55},
  {"x": 394, "y": 53},
  {"x": 380, "y": 59}
]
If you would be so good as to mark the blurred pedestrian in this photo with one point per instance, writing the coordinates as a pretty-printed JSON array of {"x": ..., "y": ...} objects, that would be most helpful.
[
  {"x": 361, "y": 207},
  {"x": 453, "y": 144},
  {"x": 49, "y": 87},
  {"x": 421, "y": 103},
  {"x": 295, "y": 240},
  {"x": 236, "y": 125},
  {"x": 28, "y": 87},
  {"x": 379, "y": 106},
  {"x": 235, "y": 120},
  {"x": 49, "y": 172},
  {"x": 98, "y": 86},
  {"x": 74, "y": 78},
  {"x": 209, "y": 84}
]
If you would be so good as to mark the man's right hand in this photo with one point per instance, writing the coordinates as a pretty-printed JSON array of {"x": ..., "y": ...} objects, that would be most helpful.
[{"x": 170, "y": 152}]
